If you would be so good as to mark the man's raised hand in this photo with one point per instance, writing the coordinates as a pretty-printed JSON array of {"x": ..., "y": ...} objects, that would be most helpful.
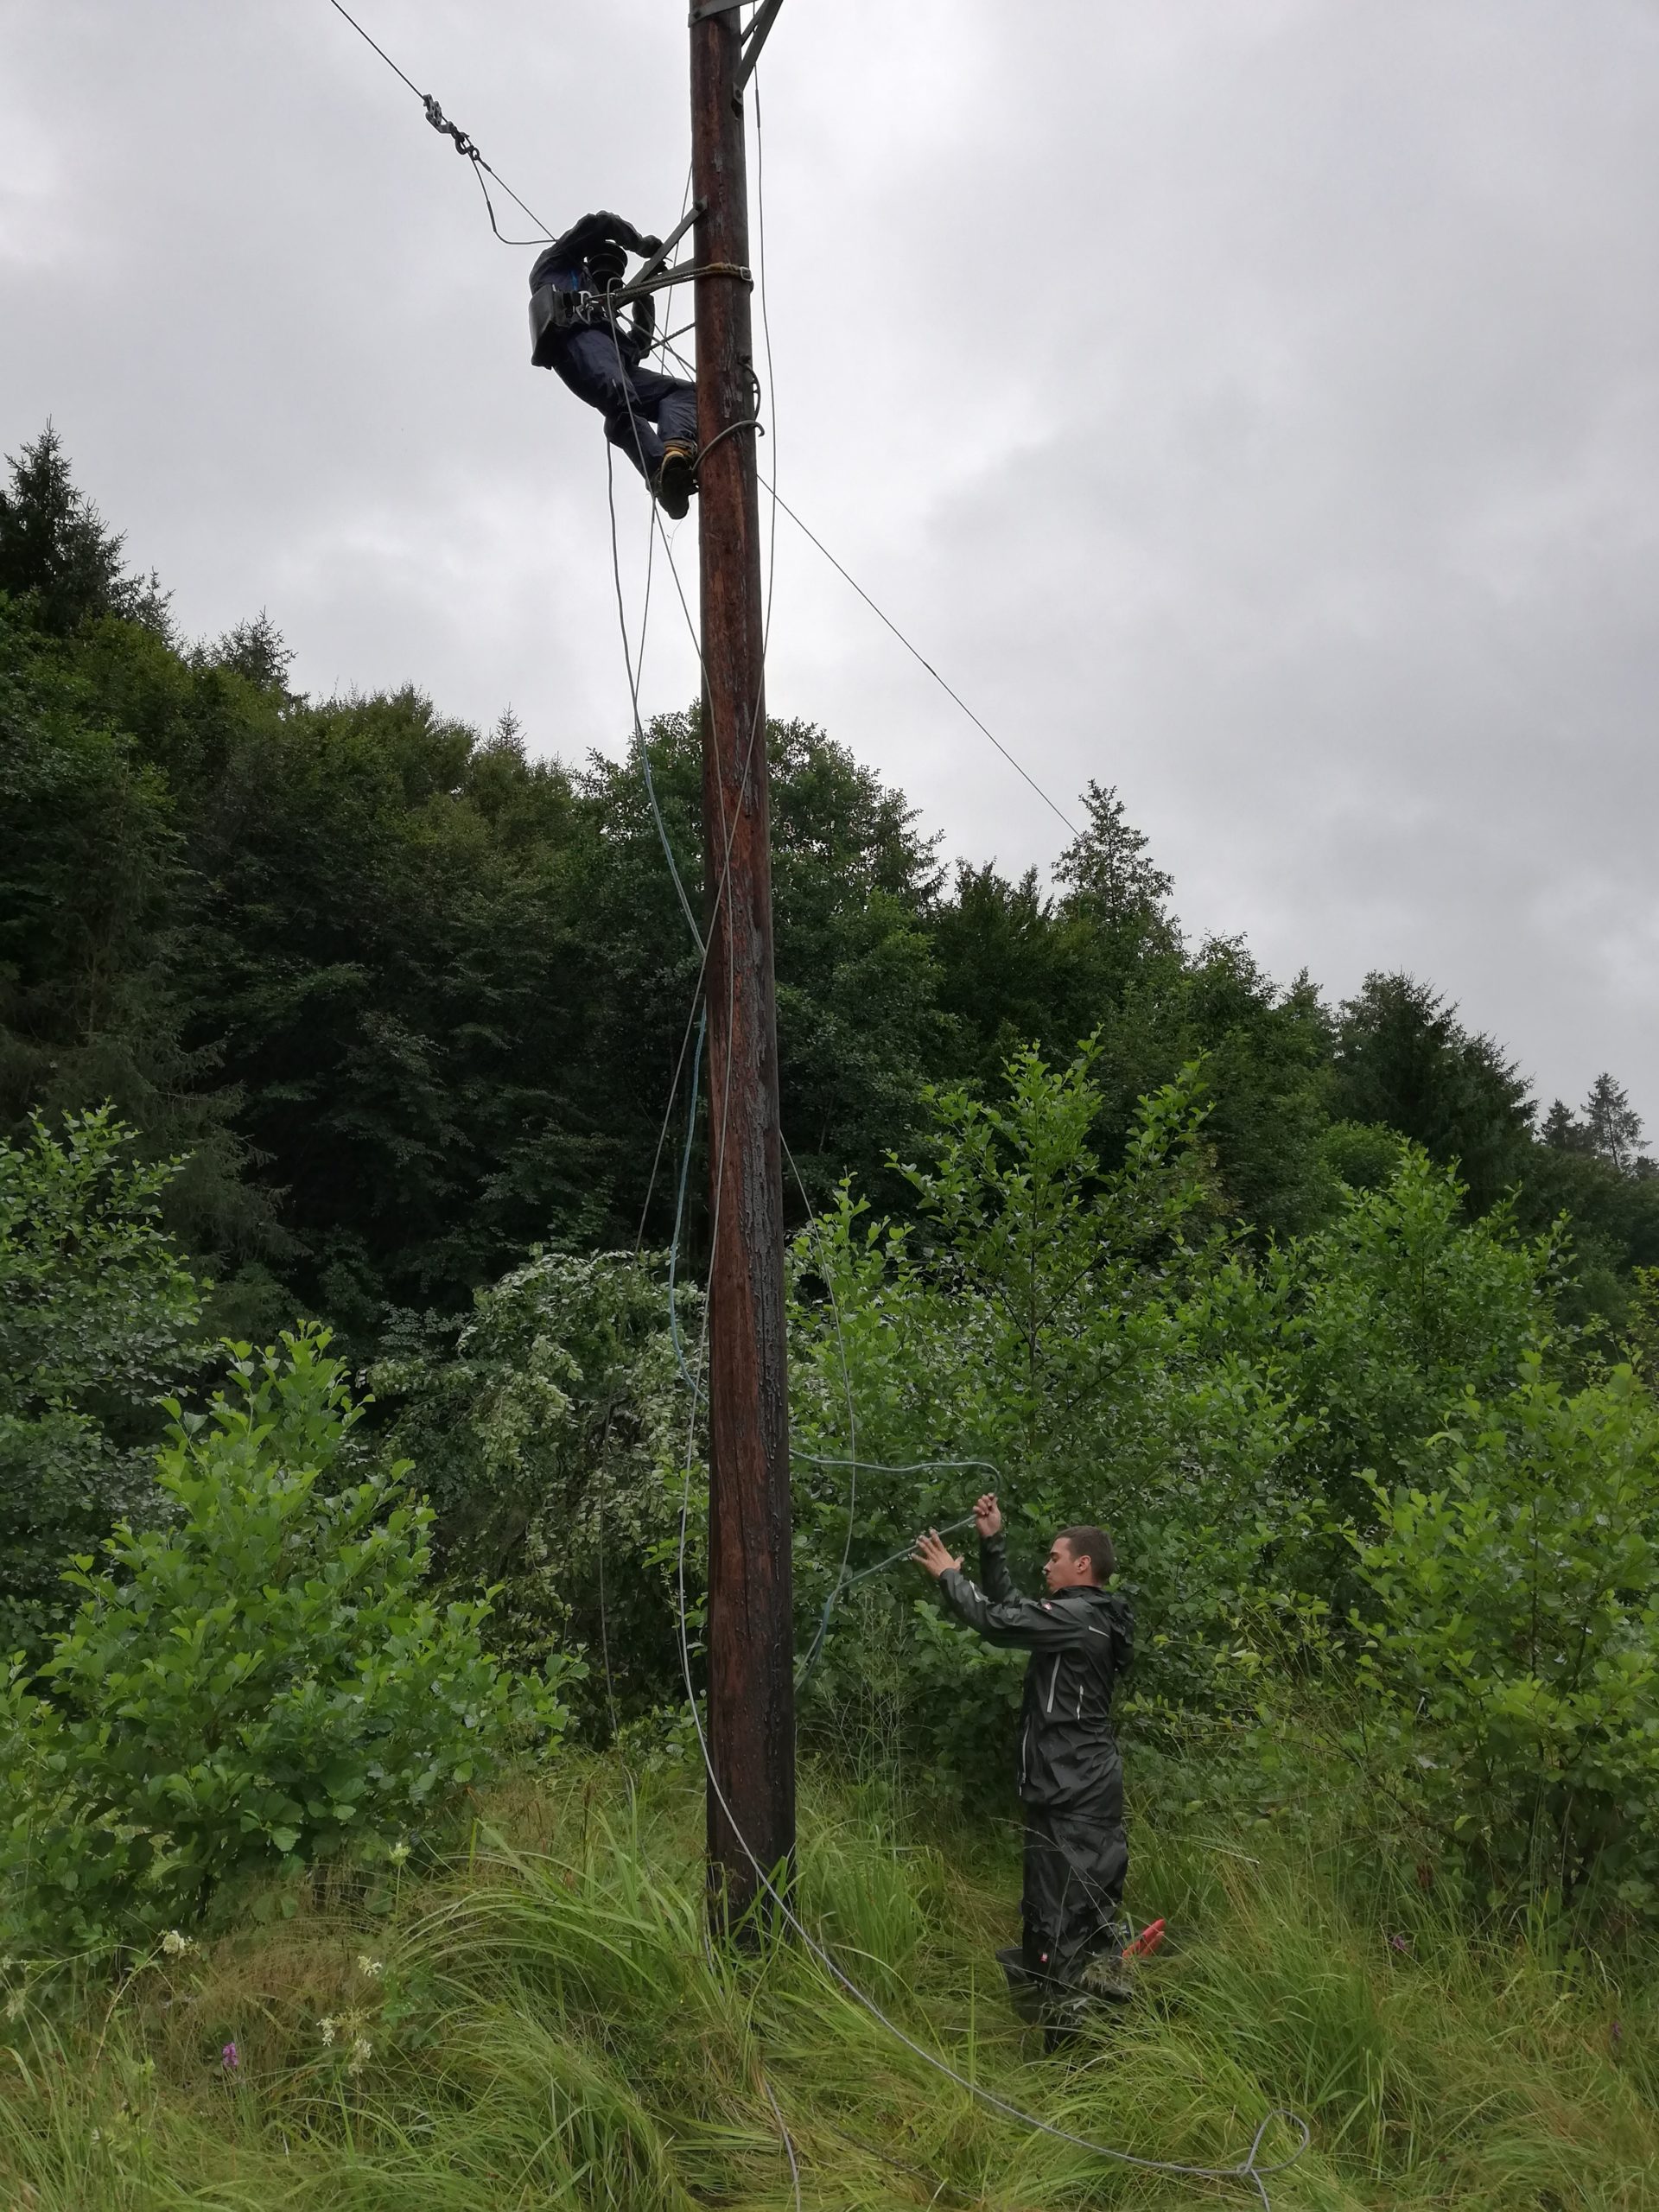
[
  {"x": 933, "y": 1555},
  {"x": 988, "y": 1515}
]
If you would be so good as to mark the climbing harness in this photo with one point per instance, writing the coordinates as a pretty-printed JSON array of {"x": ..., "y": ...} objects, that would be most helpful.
[{"x": 554, "y": 310}]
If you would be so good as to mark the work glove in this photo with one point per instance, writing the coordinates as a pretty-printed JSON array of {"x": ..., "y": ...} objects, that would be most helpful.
[{"x": 648, "y": 246}]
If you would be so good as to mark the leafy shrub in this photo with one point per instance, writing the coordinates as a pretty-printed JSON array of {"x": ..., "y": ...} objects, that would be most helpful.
[
  {"x": 550, "y": 1430},
  {"x": 1513, "y": 1661},
  {"x": 260, "y": 1684},
  {"x": 1096, "y": 1334},
  {"x": 96, "y": 1314},
  {"x": 1399, "y": 1307}
]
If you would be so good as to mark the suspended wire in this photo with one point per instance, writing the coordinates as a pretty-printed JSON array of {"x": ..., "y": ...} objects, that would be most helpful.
[
  {"x": 697, "y": 1014},
  {"x": 844, "y": 1582},
  {"x": 917, "y": 654},
  {"x": 694, "y": 1100},
  {"x": 882, "y": 616},
  {"x": 464, "y": 145},
  {"x": 380, "y": 50},
  {"x": 640, "y": 745}
]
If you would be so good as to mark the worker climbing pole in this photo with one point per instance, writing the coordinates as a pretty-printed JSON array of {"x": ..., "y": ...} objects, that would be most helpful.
[{"x": 751, "y": 1799}]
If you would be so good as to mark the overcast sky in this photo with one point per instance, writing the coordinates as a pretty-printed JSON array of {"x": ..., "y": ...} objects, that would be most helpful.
[{"x": 1251, "y": 404}]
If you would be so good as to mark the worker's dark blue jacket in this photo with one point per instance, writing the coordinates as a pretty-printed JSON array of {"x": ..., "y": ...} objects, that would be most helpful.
[
  {"x": 1080, "y": 1642},
  {"x": 565, "y": 263}
]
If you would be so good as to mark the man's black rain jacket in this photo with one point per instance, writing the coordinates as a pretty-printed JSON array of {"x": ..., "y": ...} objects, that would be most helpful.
[{"x": 1080, "y": 1642}]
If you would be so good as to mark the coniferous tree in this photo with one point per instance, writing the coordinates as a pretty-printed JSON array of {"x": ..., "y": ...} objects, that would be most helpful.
[
  {"x": 1403, "y": 1059},
  {"x": 56, "y": 552},
  {"x": 1562, "y": 1130},
  {"x": 1612, "y": 1125}
]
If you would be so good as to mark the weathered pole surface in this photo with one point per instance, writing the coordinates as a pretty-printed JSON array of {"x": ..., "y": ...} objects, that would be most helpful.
[{"x": 751, "y": 1683}]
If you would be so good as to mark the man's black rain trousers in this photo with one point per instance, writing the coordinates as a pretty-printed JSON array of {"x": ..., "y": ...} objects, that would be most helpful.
[{"x": 1071, "y": 1775}]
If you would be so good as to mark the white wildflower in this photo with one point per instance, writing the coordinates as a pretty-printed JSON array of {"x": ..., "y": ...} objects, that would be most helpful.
[
  {"x": 362, "y": 2051},
  {"x": 371, "y": 1969},
  {"x": 15, "y": 2006},
  {"x": 398, "y": 1853},
  {"x": 326, "y": 2029},
  {"x": 176, "y": 1945}
]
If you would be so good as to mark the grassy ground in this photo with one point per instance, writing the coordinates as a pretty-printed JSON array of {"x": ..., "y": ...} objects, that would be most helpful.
[{"x": 542, "y": 2026}]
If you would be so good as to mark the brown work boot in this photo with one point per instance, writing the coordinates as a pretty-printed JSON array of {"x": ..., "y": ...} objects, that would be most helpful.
[{"x": 676, "y": 479}]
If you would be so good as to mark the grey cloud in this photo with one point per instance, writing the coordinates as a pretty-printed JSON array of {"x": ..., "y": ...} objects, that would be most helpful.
[{"x": 1253, "y": 403}]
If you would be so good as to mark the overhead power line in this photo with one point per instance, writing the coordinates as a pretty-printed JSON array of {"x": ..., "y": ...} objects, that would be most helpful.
[
  {"x": 916, "y": 654},
  {"x": 464, "y": 146}
]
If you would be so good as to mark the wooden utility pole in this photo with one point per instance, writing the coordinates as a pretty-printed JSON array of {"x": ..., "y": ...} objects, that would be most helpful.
[{"x": 751, "y": 1637}]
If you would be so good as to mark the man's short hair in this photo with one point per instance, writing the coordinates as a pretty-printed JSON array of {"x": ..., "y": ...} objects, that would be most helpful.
[{"x": 1094, "y": 1545}]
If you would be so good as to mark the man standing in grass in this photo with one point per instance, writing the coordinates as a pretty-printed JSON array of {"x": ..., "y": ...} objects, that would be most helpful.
[{"x": 1080, "y": 1638}]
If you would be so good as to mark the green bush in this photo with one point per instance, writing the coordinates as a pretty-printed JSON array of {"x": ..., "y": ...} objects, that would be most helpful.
[
  {"x": 260, "y": 1684},
  {"x": 96, "y": 1314},
  {"x": 1513, "y": 1659},
  {"x": 549, "y": 1428},
  {"x": 1098, "y": 1335}
]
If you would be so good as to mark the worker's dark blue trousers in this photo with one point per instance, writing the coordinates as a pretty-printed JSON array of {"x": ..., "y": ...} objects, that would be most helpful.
[{"x": 643, "y": 411}]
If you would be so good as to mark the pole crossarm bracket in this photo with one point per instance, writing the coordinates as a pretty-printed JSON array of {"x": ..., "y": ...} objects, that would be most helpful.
[
  {"x": 755, "y": 38},
  {"x": 650, "y": 269},
  {"x": 684, "y": 274}
]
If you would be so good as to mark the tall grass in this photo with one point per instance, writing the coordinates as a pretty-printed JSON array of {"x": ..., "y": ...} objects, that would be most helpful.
[{"x": 546, "y": 2026}]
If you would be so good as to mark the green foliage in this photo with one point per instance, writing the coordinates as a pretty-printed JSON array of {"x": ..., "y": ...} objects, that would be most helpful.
[
  {"x": 1402, "y": 1058},
  {"x": 1076, "y": 1327},
  {"x": 99, "y": 1316},
  {"x": 409, "y": 999},
  {"x": 56, "y": 553},
  {"x": 95, "y": 1001},
  {"x": 1512, "y": 1610},
  {"x": 550, "y": 1430},
  {"x": 858, "y": 1022},
  {"x": 260, "y": 1683},
  {"x": 1400, "y": 1307},
  {"x": 407, "y": 1004},
  {"x": 1106, "y": 1341}
]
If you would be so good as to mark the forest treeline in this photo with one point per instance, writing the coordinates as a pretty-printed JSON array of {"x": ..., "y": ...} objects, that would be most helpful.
[
  {"x": 339, "y": 1029},
  {"x": 409, "y": 1001}
]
